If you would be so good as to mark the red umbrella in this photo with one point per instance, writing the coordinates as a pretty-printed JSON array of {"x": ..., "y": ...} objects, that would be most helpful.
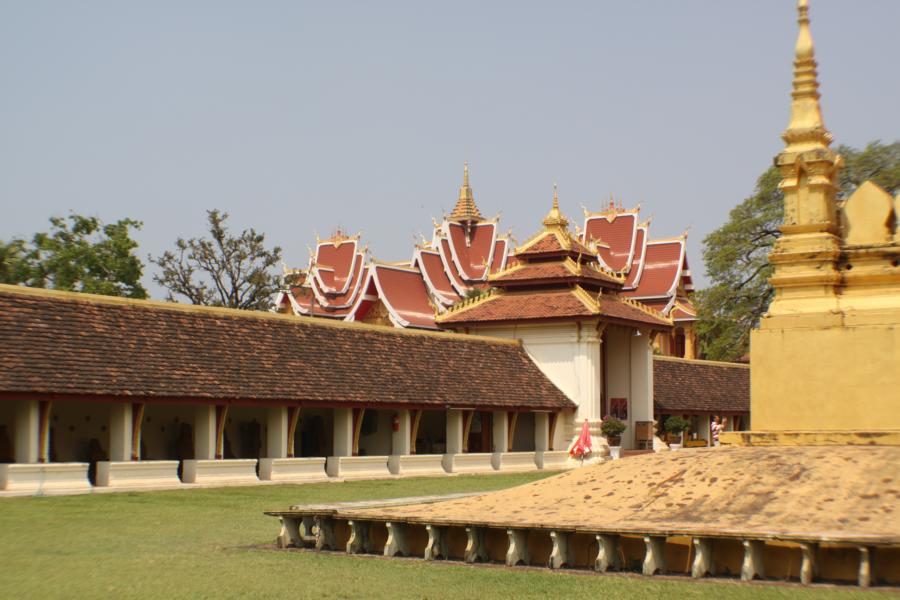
[{"x": 582, "y": 445}]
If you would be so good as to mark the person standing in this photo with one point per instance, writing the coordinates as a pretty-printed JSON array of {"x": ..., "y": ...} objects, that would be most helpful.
[{"x": 714, "y": 428}]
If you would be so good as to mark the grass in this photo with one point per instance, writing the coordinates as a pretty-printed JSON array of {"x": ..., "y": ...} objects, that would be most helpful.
[{"x": 218, "y": 544}]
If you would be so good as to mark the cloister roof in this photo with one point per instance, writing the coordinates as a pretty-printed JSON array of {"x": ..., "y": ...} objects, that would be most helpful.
[
  {"x": 61, "y": 343},
  {"x": 682, "y": 386}
]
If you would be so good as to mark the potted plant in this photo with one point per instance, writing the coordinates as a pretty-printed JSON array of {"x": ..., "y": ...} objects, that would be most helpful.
[
  {"x": 675, "y": 426},
  {"x": 612, "y": 429}
]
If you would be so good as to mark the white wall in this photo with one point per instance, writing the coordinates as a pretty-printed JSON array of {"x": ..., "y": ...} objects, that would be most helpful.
[
  {"x": 432, "y": 435},
  {"x": 379, "y": 441},
  {"x": 523, "y": 440},
  {"x": 568, "y": 357},
  {"x": 73, "y": 425},
  {"x": 7, "y": 431},
  {"x": 161, "y": 429}
]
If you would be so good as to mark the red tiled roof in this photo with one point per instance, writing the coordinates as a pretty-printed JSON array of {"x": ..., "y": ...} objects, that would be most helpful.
[
  {"x": 557, "y": 304},
  {"x": 450, "y": 265},
  {"x": 429, "y": 262},
  {"x": 473, "y": 257},
  {"x": 501, "y": 247},
  {"x": 308, "y": 303},
  {"x": 514, "y": 306},
  {"x": 403, "y": 292},
  {"x": 683, "y": 386},
  {"x": 553, "y": 270},
  {"x": 637, "y": 262},
  {"x": 334, "y": 264},
  {"x": 548, "y": 242},
  {"x": 662, "y": 267},
  {"x": 618, "y": 234},
  {"x": 80, "y": 344}
]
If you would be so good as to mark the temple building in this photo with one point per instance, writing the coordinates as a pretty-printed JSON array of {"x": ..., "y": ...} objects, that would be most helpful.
[
  {"x": 118, "y": 393},
  {"x": 580, "y": 302},
  {"x": 465, "y": 250},
  {"x": 574, "y": 320},
  {"x": 809, "y": 493}
]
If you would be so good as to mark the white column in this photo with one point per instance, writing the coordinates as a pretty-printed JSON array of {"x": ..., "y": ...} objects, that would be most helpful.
[
  {"x": 120, "y": 432},
  {"x": 641, "y": 401},
  {"x": 500, "y": 436},
  {"x": 205, "y": 432},
  {"x": 343, "y": 432},
  {"x": 276, "y": 432},
  {"x": 541, "y": 431},
  {"x": 589, "y": 369},
  {"x": 705, "y": 423},
  {"x": 400, "y": 442},
  {"x": 454, "y": 431},
  {"x": 26, "y": 431}
]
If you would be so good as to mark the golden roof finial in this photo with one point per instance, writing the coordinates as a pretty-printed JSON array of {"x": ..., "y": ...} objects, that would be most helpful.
[
  {"x": 555, "y": 218},
  {"x": 465, "y": 209},
  {"x": 806, "y": 129}
]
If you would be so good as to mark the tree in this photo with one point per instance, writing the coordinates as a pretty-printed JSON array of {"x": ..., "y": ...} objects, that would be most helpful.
[
  {"x": 222, "y": 271},
  {"x": 78, "y": 254},
  {"x": 736, "y": 254},
  {"x": 13, "y": 267}
]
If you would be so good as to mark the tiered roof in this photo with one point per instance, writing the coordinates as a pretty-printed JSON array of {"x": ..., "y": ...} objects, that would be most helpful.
[
  {"x": 466, "y": 252},
  {"x": 465, "y": 249},
  {"x": 555, "y": 277},
  {"x": 656, "y": 271}
]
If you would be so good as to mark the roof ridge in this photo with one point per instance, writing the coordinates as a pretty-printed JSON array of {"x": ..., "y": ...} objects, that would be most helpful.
[
  {"x": 467, "y": 303},
  {"x": 711, "y": 363},
  {"x": 236, "y": 313},
  {"x": 589, "y": 302},
  {"x": 644, "y": 308}
]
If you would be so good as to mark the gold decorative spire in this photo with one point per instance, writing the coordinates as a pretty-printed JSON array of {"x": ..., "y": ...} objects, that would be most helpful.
[
  {"x": 465, "y": 209},
  {"x": 805, "y": 256},
  {"x": 555, "y": 218},
  {"x": 806, "y": 130}
]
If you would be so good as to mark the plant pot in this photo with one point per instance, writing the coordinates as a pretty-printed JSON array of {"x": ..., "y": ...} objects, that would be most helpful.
[
  {"x": 615, "y": 452},
  {"x": 674, "y": 447},
  {"x": 614, "y": 440},
  {"x": 674, "y": 439}
]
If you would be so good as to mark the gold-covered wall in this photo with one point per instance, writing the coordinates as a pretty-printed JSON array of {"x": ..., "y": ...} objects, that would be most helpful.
[{"x": 826, "y": 357}]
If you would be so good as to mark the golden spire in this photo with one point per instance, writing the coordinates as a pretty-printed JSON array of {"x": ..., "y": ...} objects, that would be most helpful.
[
  {"x": 555, "y": 218},
  {"x": 465, "y": 209},
  {"x": 806, "y": 131}
]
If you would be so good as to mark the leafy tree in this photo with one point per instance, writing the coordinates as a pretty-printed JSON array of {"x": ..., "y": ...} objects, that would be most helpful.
[
  {"x": 736, "y": 254},
  {"x": 222, "y": 271},
  {"x": 13, "y": 267},
  {"x": 78, "y": 254}
]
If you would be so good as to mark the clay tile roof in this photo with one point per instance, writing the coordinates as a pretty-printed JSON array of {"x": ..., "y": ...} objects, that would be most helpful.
[
  {"x": 86, "y": 345},
  {"x": 558, "y": 304},
  {"x": 691, "y": 386},
  {"x": 551, "y": 242},
  {"x": 559, "y": 269}
]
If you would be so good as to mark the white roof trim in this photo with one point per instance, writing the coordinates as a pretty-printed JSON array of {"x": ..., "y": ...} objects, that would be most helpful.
[
  {"x": 445, "y": 227},
  {"x": 438, "y": 295},
  {"x": 315, "y": 269}
]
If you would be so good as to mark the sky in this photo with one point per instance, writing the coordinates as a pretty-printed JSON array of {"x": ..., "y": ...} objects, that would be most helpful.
[{"x": 297, "y": 118}]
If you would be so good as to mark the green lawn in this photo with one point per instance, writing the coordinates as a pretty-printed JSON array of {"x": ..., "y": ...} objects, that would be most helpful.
[{"x": 218, "y": 544}]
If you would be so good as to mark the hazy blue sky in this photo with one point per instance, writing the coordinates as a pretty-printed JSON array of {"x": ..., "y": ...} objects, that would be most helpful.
[{"x": 297, "y": 117}]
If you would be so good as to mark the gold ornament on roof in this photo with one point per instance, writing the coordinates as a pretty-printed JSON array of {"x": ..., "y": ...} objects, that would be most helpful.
[
  {"x": 465, "y": 209},
  {"x": 555, "y": 218},
  {"x": 806, "y": 130}
]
